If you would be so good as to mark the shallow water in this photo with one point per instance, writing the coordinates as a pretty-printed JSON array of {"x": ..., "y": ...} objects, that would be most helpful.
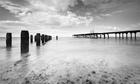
[{"x": 72, "y": 61}]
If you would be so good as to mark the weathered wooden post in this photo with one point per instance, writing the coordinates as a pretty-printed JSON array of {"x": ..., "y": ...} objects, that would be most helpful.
[
  {"x": 31, "y": 38},
  {"x": 38, "y": 39},
  {"x": 56, "y": 37},
  {"x": 43, "y": 38},
  {"x": 46, "y": 39},
  {"x": 50, "y": 37},
  {"x": 24, "y": 41},
  {"x": 9, "y": 40}
]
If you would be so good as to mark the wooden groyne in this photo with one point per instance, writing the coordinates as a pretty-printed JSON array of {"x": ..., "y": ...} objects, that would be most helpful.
[
  {"x": 117, "y": 34},
  {"x": 24, "y": 40}
]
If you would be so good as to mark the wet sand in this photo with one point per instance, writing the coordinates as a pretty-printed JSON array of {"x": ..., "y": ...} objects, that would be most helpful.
[
  {"x": 73, "y": 63},
  {"x": 67, "y": 72}
]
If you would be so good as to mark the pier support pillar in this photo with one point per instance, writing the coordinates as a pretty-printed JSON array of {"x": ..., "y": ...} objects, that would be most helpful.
[
  {"x": 122, "y": 35},
  {"x": 100, "y": 35},
  {"x": 9, "y": 40},
  {"x": 96, "y": 35},
  {"x": 24, "y": 41},
  {"x": 126, "y": 35},
  {"x": 131, "y": 35},
  {"x": 38, "y": 39},
  {"x": 93, "y": 35},
  {"x": 115, "y": 35},
  {"x": 135, "y": 35},
  {"x": 104, "y": 36},
  {"x": 119, "y": 35},
  {"x": 90, "y": 36},
  {"x": 108, "y": 36}
]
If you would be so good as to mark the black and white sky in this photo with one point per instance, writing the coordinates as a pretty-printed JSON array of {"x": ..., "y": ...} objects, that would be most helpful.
[{"x": 66, "y": 17}]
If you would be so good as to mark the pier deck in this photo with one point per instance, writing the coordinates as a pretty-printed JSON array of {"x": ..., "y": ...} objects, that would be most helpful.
[{"x": 104, "y": 34}]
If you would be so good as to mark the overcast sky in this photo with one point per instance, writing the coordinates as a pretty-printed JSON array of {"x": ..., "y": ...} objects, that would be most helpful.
[{"x": 67, "y": 17}]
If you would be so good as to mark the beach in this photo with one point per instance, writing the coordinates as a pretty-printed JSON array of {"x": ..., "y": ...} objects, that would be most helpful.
[{"x": 72, "y": 61}]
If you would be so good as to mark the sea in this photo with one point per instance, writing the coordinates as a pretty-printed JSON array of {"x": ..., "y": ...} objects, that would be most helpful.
[{"x": 71, "y": 60}]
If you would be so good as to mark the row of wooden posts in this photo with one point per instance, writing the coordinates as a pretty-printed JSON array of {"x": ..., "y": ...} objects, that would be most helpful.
[{"x": 38, "y": 38}]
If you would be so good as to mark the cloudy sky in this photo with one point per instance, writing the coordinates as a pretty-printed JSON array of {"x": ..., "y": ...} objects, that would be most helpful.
[{"x": 67, "y": 17}]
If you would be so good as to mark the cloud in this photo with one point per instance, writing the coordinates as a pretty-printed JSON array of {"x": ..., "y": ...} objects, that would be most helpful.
[
  {"x": 16, "y": 9},
  {"x": 13, "y": 23},
  {"x": 46, "y": 12},
  {"x": 97, "y": 7},
  {"x": 70, "y": 12},
  {"x": 57, "y": 14}
]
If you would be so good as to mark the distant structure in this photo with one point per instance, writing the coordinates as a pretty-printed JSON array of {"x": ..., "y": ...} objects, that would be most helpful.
[{"x": 104, "y": 34}]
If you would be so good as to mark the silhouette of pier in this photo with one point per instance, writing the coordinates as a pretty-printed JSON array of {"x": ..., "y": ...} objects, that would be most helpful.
[{"x": 118, "y": 34}]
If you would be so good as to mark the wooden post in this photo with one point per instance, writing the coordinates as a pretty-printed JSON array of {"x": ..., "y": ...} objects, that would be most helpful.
[
  {"x": 46, "y": 38},
  {"x": 9, "y": 40},
  {"x": 31, "y": 38},
  {"x": 38, "y": 39},
  {"x": 43, "y": 38},
  {"x": 24, "y": 41},
  {"x": 56, "y": 37}
]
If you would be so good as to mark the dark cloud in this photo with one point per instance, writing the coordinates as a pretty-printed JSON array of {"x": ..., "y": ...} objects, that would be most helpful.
[
  {"x": 20, "y": 2},
  {"x": 97, "y": 7},
  {"x": 81, "y": 9},
  {"x": 6, "y": 15}
]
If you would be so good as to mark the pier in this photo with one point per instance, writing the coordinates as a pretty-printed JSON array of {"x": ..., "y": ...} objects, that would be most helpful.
[{"x": 117, "y": 34}]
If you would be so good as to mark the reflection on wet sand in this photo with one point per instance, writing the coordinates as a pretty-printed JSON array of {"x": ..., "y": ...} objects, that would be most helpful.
[
  {"x": 8, "y": 52},
  {"x": 74, "y": 64}
]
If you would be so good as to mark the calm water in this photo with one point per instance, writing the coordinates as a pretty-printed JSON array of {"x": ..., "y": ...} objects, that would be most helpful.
[{"x": 74, "y": 60}]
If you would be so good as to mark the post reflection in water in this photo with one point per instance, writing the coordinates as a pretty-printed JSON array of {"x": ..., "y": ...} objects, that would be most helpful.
[
  {"x": 8, "y": 52},
  {"x": 38, "y": 50},
  {"x": 23, "y": 63}
]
